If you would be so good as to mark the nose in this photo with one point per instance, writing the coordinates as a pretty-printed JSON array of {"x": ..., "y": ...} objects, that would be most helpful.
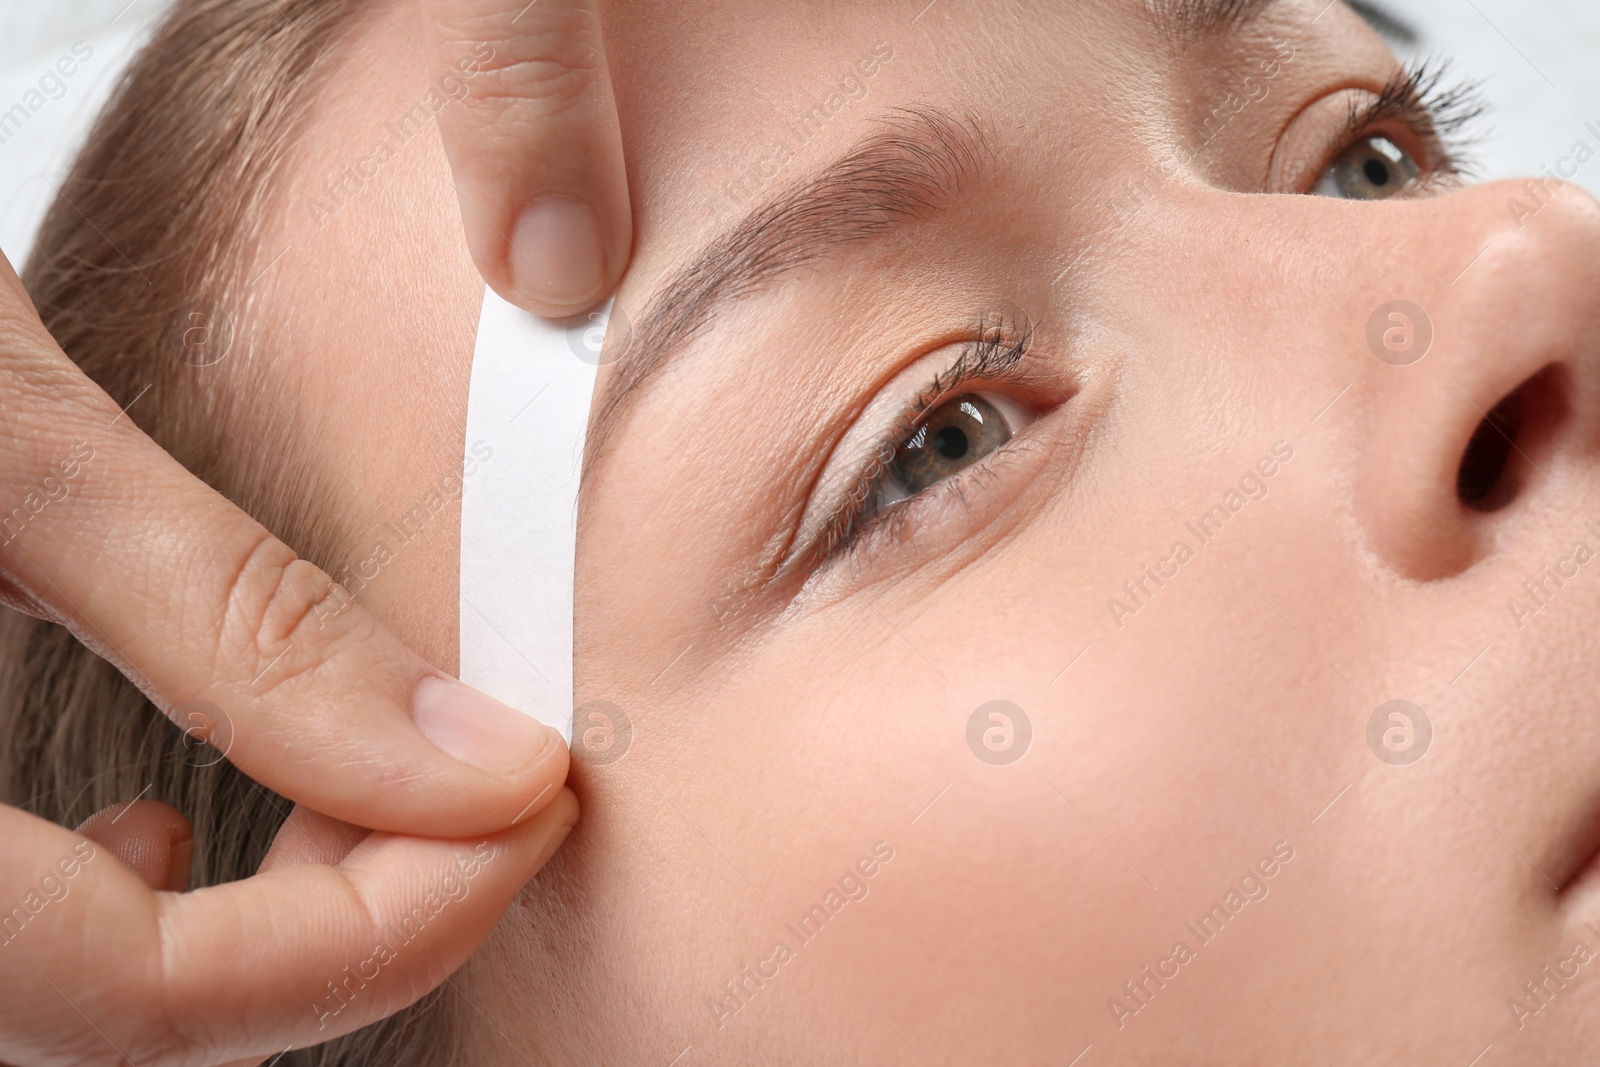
[{"x": 1482, "y": 354}]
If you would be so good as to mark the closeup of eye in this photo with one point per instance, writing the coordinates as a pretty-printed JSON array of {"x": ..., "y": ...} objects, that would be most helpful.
[
  {"x": 1374, "y": 168},
  {"x": 954, "y": 436},
  {"x": 1412, "y": 136},
  {"x": 940, "y": 458}
]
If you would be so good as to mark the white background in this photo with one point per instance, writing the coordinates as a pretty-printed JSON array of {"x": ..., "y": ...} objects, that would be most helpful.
[
  {"x": 33, "y": 35},
  {"x": 1540, "y": 59}
]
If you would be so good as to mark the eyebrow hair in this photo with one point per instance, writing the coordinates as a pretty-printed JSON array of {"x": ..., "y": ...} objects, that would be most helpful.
[
  {"x": 901, "y": 173},
  {"x": 1391, "y": 27},
  {"x": 1185, "y": 22}
]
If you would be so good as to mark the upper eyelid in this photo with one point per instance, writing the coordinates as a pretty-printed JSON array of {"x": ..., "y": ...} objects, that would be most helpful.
[
  {"x": 1423, "y": 107},
  {"x": 1435, "y": 111},
  {"x": 877, "y": 427},
  {"x": 998, "y": 356},
  {"x": 977, "y": 357}
]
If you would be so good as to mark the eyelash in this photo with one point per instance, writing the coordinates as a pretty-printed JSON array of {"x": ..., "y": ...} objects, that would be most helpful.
[
  {"x": 1439, "y": 114},
  {"x": 1440, "y": 111},
  {"x": 995, "y": 356}
]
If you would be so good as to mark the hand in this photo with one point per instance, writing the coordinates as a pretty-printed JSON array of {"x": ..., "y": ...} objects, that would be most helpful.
[
  {"x": 100, "y": 960},
  {"x": 536, "y": 148}
]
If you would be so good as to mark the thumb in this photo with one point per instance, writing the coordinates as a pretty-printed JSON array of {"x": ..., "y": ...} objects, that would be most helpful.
[
  {"x": 155, "y": 839},
  {"x": 535, "y": 147}
]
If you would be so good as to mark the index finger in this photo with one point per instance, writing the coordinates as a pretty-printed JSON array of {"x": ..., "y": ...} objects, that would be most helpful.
[{"x": 535, "y": 147}]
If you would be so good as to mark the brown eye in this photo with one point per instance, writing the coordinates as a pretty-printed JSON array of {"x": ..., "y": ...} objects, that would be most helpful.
[
  {"x": 1374, "y": 168},
  {"x": 955, "y": 435}
]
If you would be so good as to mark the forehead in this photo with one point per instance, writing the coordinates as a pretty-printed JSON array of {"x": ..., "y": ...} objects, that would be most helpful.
[
  {"x": 1064, "y": 100},
  {"x": 725, "y": 103}
]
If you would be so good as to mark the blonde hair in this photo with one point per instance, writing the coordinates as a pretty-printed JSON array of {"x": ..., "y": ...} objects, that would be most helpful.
[{"x": 137, "y": 273}]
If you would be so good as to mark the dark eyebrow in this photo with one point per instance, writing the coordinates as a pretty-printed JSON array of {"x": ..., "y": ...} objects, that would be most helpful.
[
  {"x": 1185, "y": 22},
  {"x": 901, "y": 173},
  {"x": 1391, "y": 27}
]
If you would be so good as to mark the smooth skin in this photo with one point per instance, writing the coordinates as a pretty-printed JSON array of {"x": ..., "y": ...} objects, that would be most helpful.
[
  {"x": 405, "y": 779},
  {"x": 1194, "y": 321}
]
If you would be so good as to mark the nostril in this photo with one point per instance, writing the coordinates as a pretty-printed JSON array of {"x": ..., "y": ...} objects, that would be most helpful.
[
  {"x": 1483, "y": 481},
  {"x": 1511, "y": 442}
]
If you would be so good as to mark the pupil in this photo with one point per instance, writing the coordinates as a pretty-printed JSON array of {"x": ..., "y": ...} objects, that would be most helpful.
[
  {"x": 950, "y": 442},
  {"x": 1377, "y": 172}
]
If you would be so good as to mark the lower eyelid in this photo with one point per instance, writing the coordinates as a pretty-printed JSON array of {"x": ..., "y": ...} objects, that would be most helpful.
[
  {"x": 903, "y": 522},
  {"x": 998, "y": 496}
]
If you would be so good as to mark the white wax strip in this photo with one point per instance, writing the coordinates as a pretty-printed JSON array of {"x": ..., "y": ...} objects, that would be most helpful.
[{"x": 527, "y": 409}]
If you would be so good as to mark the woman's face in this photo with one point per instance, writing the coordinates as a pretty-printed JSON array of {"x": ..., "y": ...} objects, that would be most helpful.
[{"x": 1116, "y": 366}]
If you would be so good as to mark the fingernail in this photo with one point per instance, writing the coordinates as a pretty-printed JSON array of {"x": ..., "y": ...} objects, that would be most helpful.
[
  {"x": 477, "y": 729},
  {"x": 182, "y": 863},
  {"x": 556, "y": 252}
]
